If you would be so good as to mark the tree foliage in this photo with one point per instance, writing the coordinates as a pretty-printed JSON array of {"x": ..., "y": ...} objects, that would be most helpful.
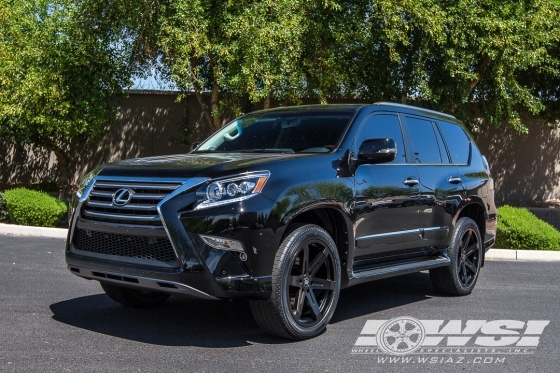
[
  {"x": 62, "y": 65},
  {"x": 490, "y": 59},
  {"x": 64, "y": 62},
  {"x": 233, "y": 50}
]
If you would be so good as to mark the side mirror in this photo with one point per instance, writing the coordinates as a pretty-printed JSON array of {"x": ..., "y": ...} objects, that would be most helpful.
[
  {"x": 374, "y": 151},
  {"x": 195, "y": 145}
]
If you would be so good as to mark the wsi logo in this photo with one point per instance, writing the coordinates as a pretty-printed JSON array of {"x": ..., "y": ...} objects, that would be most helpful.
[{"x": 405, "y": 335}]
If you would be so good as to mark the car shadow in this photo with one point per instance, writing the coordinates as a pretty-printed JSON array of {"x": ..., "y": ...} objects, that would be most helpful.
[
  {"x": 219, "y": 324},
  {"x": 377, "y": 296}
]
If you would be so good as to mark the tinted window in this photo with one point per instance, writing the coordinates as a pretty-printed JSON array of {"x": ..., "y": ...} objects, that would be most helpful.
[
  {"x": 384, "y": 126},
  {"x": 426, "y": 148},
  {"x": 304, "y": 130},
  {"x": 457, "y": 141}
]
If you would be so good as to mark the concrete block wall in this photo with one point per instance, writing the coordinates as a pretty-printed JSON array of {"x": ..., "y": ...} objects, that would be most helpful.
[
  {"x": 525, "y": 167},
  {"x": 551, "y": 216}
]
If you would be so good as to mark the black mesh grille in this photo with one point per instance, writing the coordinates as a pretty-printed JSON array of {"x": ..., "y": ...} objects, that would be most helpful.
[{"x": 151, "y": 248}]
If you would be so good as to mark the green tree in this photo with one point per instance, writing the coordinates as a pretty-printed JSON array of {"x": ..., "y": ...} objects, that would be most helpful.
[
  {"x": 64, "y": 63},
  {"x": 237, "y": 50},
  {"x": 62, "y": 66},
  {"x": 452, "y": 55}
]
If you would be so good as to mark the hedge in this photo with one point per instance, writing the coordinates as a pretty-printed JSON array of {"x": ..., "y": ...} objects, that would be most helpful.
[
  {"x": 518, "y": 228},
  {"x": 3, "y": 212},
  {"x": 29, "y": 207}
]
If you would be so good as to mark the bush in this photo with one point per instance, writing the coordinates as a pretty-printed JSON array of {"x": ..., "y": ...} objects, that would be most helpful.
[
  {"x": 29, "y": 207},
  {"x": 519, "y": 229},
  {"x": 3, "y": 211}
]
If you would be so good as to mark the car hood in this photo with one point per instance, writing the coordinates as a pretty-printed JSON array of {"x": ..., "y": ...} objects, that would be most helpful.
[{"x": 195, "y": 165}]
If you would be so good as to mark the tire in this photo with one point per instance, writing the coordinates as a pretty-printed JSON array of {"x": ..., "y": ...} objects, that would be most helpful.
[
  {"x": 305, "y": 286},
  {"x": 134, "y": 298},
  {"x": 465, "y": 252}
]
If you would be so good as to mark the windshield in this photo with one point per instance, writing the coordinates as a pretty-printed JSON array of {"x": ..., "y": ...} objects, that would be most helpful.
[{"x": 282, "y": 131}]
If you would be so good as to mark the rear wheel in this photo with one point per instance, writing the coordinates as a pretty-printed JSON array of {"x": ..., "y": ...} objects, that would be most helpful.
[
  {"x": 465, "y": 252},
  {"x": 134, "y": 298},
  {"x": 305, "y": 286}
]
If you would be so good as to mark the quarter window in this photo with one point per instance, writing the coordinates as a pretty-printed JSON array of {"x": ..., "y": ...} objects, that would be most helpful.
[{"x": 457, "y": 141}]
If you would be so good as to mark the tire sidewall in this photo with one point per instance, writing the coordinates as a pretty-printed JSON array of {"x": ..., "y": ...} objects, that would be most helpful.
[{"x": 284, "y": 260}]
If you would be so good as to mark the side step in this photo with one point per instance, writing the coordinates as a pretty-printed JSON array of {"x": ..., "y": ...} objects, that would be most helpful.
[{"x": 398, "y": 269}]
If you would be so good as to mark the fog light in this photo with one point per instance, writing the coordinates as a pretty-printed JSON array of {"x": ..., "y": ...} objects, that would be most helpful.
[{"x": 223, "y": 243}]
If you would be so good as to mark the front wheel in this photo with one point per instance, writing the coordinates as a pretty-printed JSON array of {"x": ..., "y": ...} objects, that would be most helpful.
[
  {"x": 305, "y": 286},
  {"x": 465, "y": 252},
  {"x": 134, "y": 298}
]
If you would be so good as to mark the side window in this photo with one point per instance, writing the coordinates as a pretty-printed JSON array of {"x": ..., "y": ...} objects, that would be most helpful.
[
  {"x": 424, "y": 141},
  {"x": 383, "y": 126},
  {"x": 458, "y": 142}
]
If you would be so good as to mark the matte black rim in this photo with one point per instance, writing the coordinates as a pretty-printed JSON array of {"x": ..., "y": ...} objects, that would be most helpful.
[
  {"x": 311, "y": 283},
  {"x": 469, "y": 257}
]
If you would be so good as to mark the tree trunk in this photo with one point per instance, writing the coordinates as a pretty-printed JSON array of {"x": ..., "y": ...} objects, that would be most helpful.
[
  {"x": 206, "y": 112},
  {"x": 214, "y": 102},
  {"x": 404, "y": 95},
  {"x": 267, "y": 101},
  {"x": 64, "y": 188},
  {"x": 481, "y": 69}
]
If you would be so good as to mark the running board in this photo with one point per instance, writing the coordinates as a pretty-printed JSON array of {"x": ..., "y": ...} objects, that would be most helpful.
[{"x": 398, "y": 269}]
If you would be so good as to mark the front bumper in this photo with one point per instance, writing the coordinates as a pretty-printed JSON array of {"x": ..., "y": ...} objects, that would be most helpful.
[
  {"x": 178, "y": 282},
  {"x": 197, "y": 270}
]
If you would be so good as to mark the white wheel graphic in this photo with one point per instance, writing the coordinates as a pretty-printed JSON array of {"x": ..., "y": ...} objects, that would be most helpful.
[{"x": 401, "y": 336}]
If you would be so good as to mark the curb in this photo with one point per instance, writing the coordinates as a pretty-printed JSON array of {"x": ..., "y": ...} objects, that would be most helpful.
[
  {"x": 492, "y": 254},
  {"x": 22, "y": 230},
  {"x": 528, "y": 255}
]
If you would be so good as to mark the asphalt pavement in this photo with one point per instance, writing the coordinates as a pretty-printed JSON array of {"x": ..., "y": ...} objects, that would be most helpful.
[{"x": 53, "y": 321}]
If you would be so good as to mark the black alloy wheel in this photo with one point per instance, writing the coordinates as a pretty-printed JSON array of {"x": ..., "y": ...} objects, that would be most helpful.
[
  {"x": 311, "y": 283},
  {"x": 305, "y": 286},
  {"x": 465, "y": 252},
  {"x": 468, "y": 257}
]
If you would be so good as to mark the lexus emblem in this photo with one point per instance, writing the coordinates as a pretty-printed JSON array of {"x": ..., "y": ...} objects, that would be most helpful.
[{"x": 122, "y": 196}]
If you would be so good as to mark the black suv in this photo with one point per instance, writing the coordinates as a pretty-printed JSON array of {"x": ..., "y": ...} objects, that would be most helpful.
[{"x": 285, "y": 207}]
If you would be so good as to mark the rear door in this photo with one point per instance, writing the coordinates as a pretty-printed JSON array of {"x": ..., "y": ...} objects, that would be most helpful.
[{"x": 440, "y": 184}]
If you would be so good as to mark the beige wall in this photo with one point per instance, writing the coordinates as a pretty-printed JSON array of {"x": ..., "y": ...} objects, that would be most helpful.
[
  {"x": 146, "y": 123},
  {"x": 526, "y": 167}
]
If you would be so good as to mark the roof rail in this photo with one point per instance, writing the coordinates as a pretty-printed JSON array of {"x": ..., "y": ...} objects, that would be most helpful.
[{"x": 413, "y": 108}]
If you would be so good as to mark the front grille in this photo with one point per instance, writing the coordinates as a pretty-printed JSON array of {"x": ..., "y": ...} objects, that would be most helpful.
[
  {"x": 140, "y": 210},
  {"x": 140, "y": 247}
]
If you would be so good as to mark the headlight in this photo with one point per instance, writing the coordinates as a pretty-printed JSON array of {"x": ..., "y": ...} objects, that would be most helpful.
[
  {"x": 232, "y": 189},
  {"x": 86, "y": 180}
]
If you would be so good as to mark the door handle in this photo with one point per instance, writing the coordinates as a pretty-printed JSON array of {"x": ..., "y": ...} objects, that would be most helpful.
[
  {"x": 411, "y": 181},
  {"x": 454, "y": 180}
]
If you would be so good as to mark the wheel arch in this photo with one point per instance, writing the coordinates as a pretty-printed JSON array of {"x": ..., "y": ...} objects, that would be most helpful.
[
  {"x": 337, "y": 225},
  {"x": 474, "y": 210}
]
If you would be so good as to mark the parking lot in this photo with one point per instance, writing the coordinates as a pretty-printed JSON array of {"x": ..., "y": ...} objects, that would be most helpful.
[{"x": 51, "y": 320}]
